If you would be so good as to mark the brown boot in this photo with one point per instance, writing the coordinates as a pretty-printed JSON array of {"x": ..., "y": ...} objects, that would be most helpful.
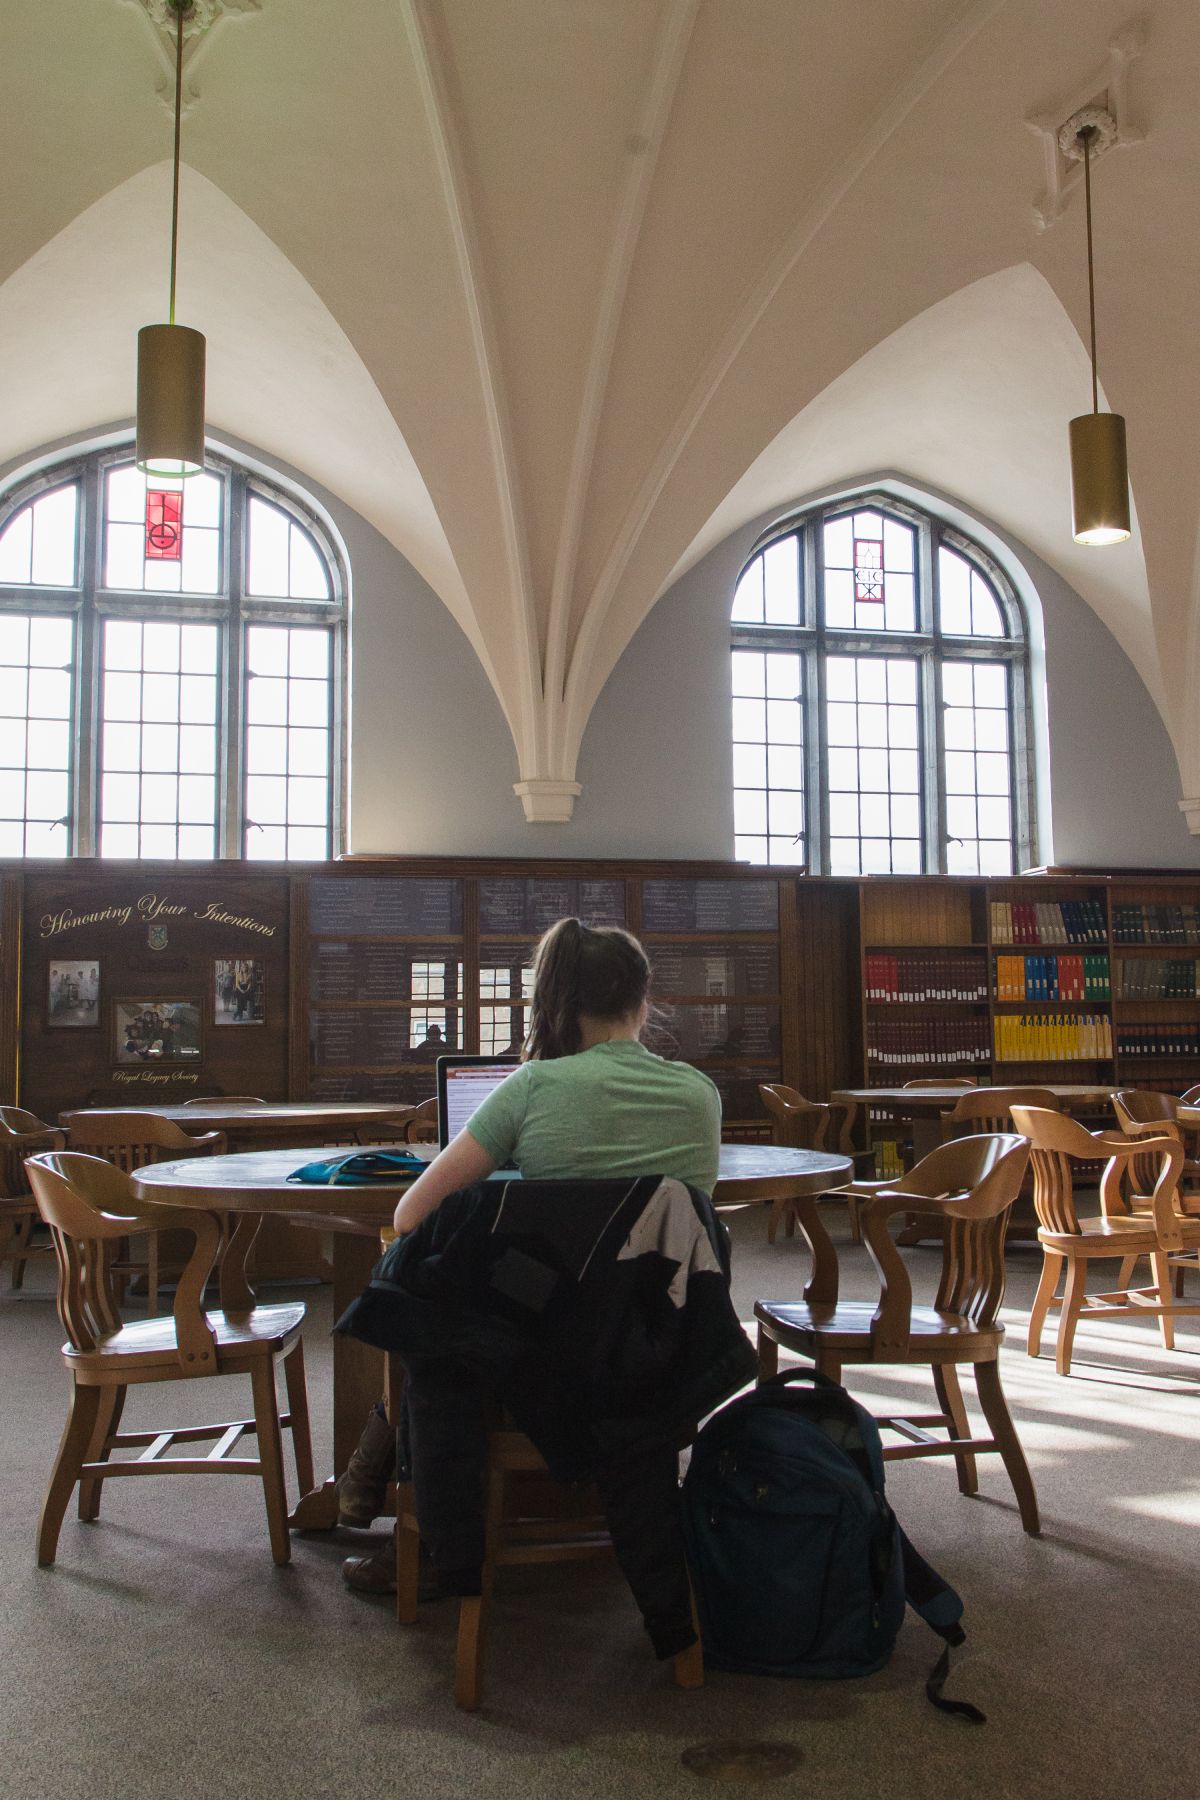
[
  {"x": 374, "y": 1574},
  {"x": 362, "y": 1490}
]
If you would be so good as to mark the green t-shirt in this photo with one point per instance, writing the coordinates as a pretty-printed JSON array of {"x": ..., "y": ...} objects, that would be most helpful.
[{"x": 616, "y": 1109}]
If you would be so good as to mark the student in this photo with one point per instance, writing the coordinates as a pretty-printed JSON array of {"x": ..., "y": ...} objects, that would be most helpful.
[{"x": 589, "y": 1101}]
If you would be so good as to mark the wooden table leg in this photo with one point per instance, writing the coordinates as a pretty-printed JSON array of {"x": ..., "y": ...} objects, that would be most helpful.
[{"x": 358, "y": 1378}]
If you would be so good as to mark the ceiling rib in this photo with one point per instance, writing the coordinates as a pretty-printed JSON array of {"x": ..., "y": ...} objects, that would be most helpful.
[
  {"x": 963, "y": 28},
  {"x": 670, "y": 53}
]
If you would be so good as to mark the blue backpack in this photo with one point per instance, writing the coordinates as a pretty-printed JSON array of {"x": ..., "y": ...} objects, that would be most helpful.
[{"x": 798, "y": 1563}]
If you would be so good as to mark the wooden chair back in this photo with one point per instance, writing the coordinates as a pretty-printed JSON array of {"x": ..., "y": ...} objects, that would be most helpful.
[
  {"x": 970, "y": 1184},
  {"x": 21, "y": 1134},
  {"x": 1191, "y": 1096},
  {"x": 87, "y": 1203},
  {"x": 421, "y": 1126},
  {"x": 797, "y": 1122},
  {"x": 1056, "y": 1140},
  {"x": 1141, "y": 1113},
  {"x": 130, "y": 1140},
  {"x": 990, "y": 1108}
]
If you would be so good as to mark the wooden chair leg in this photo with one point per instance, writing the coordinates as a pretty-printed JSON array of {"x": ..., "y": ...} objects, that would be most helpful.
[
  {"x": 270, "y": 1451},
  {"x": 949, "y": 1393},
  {"x": 108, "y": 1421},
  {"x": 768, "y": 1355},
  {"x": 474, "y": 1609},
  {"x": 773, "y": 1221},
  {"x": 853, "y": 1208},
  {"x": 72, "y": 1453},
  {"x": 995, "y": 1411},
  {"x": 1072, "y": 1301},
  {"x": 1052, "y": 1264},
  {"x": 1160, "y": 1263},
  {"x": 1128, "y": 1265},
  {"x": 14, "y": 1237},
  {"x": 151, "y": 1274},
  {"x": 829, "y": 1365},
  {"x": 297, "y": 1399}
]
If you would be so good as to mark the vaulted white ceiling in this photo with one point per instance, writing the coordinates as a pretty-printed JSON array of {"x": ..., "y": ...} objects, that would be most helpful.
[{"x": 556, "y": 293}]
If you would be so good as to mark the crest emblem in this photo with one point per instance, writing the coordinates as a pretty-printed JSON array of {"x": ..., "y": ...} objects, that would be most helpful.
[{"x": 156, "y": 937}]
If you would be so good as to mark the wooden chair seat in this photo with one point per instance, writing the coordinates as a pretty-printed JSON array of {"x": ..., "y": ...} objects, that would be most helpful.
[
  {"x": 846, "y": 1329},
  {"x": 1124, "y": 1234},
  {"x": 966, "y": 1187},
  {"x": 238, "y": 1337},
  {"x": 89, "y": 1207}
]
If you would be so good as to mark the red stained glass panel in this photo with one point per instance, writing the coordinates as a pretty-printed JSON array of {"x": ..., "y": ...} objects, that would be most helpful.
[
  {"x": 164, "y": 524},
  {"x": 868, "y": 570}
]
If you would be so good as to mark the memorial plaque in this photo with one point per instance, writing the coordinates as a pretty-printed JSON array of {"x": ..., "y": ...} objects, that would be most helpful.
[
  {"x": 700, "y": 1033},
  {"x": 710, "y": 906},
  {"x": 738, "y": 1088},
  {"x": 694, "y": 968},
  {"x": 358, "y": 971},
  {"x": 396, "y": 1087},
  {"x": 533, "y": 906},
  {"x": 406, "y": 906}
]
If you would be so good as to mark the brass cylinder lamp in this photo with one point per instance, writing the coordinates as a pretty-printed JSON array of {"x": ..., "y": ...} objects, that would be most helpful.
[
  {"x": 171, "y": 357},
  {"x": 1099, "y": 466}
]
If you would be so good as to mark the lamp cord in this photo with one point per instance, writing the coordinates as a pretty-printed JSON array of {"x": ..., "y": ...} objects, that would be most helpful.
[
  {"x": 1087, "y": 134},
  {"x": 179, "y": 10}
]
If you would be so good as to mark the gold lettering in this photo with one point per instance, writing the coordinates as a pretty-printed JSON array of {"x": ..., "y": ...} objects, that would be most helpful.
[
  {"x": 151, "y": 907},
  {"x": 218, "y": 916}
]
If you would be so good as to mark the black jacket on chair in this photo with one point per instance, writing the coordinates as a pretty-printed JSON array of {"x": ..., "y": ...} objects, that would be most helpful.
[{"x": 599, "y": 1313}]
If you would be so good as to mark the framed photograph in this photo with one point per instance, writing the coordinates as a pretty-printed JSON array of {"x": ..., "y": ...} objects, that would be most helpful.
[
  {"x": 239, "y": 992},
  {"x": 73, "y": 993},
  {"x": 156, "y": 1031}
]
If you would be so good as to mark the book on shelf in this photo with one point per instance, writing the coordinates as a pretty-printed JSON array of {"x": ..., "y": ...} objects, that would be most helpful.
[
  {"x": 1136, "y": 922},
  {"x": 1048, "y": 922},
  {"x": 1168, "y": 1037},
  {"x": 1155, "y": 978},
  {"x": 1053, "y": 1037},
  {"x": 1052, "y": 977},
  {"x": 937, "y": 1043},
  {"x": 933, "y": 974}
]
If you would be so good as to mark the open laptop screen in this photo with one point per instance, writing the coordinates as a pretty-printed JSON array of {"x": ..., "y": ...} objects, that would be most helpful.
[{"x": 464, "y": 1082}]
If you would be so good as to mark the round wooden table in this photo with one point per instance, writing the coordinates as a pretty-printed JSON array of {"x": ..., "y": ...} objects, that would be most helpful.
[
  {"x": 254, "y": 1184},
  {"x": 259, "y": 1123}
]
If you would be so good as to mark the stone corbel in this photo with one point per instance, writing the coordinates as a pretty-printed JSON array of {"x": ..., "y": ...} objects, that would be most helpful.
[
  {"x": 548, "y": 802},
  {"x": 1191, "y": 812},
  {"x": 1107, "y": 88},
  {"x": 198, "y": 23}
]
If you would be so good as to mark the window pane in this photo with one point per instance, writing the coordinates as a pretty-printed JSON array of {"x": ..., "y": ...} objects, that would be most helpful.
[
  {"x": 870, "y": 573},
  {"x": 146, "y": 798},
  {"x": 968, "y": 602},
  {"x": 288, "y": 740},
  {"x": 282, "y": 561},
  {"x": 38, "y": 546},
  {"x": 748, "y": 596},
  {"x": 977, "y": 768},
  {"x": 35, "y": 734},
  {"x": 162, "y": 534},
  {"x": 781, "y": 582},
  {"x": 768, "y": 759},
  {"x": 874, "y": 801}
]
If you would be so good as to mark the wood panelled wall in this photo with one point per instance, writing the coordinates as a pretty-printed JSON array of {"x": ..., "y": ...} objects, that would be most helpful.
[{"x": 760, "y": 972}]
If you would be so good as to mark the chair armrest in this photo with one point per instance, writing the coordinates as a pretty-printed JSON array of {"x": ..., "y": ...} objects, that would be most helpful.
[{"x": 210, "y": 1143}]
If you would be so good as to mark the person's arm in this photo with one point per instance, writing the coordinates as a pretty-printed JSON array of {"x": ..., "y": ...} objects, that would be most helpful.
[{"x": 460, "y": 1164}]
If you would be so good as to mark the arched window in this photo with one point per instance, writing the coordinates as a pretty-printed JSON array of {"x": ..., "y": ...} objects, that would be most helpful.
[
  {"x": 171, "y": 657},
  {"x": 879, "y": 699}
]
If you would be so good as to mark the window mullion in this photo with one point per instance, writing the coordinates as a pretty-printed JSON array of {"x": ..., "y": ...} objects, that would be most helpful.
[
  {"x": 233, "y": 734},
  {"x": 88, "y": 673}
]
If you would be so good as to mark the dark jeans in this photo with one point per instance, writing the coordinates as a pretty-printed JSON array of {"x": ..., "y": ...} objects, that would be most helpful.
[{"x": 447, "y": 1404}]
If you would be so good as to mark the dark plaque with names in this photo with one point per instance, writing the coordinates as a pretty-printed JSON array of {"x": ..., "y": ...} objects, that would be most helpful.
[
  {"x": 405, "y": 906},
  {"x": 738, "y": 1088},
  {"x": 397, "y": 1087},
  {"x": 358, "y": 971},
  {"x": 710, "y": 906},
  {"x": 534, "y": 905},
  {"x": 694, "y": 968},
  {"x": 367, "y": 1036},
  {"x": 698, "y": 1033}
]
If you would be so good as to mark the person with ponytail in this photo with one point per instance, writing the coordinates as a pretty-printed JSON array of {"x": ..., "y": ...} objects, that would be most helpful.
[{"x": 589, "y": 1099}]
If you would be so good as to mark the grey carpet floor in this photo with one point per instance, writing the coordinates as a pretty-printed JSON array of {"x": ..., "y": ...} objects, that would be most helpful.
[{"x": 166, "y": 1655}]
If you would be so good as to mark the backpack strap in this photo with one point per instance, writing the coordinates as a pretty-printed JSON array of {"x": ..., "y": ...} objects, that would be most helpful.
[{"x": 941, "y": 1608}]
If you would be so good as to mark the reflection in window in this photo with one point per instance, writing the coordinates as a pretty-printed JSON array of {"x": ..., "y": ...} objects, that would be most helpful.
[
  {"x": 36, "y": 657},
  {"x": 158, "y": 783},
  {"x": 504, "y": 992},
  {"x": 289, "y": 697},
  {"x": 876, "y": 671}
]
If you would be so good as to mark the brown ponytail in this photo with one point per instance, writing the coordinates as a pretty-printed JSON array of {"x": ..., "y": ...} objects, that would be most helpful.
[{"x": 603, "y": 973}]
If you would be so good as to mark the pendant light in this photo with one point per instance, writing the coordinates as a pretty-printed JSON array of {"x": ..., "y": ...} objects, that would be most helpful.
[
  {"x": 170, "y": 386},
  {"x": 1099, "y": 471}
]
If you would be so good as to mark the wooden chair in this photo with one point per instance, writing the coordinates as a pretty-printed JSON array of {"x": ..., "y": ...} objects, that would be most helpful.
[
  {"x": 407, "y": 1125},
  {"x": 22, "y": 1134},
  {"x": 1144, "y": 1113},
  {"x": 529, "y": 1518},
  {"x": 935, "y": 1081},
  {"x": 990, "y": 1109},
  {"x": 130, "y": 1140},
  {"x": 969, "y": 1184},
  {"x": 228, "y": 1100},
  {"x": 87, "y": 1204},
  {"x": 1069, "y": 1243}
]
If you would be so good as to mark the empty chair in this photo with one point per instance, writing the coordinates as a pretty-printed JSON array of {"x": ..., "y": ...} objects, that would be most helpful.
[
  {"x": 1142, "y": 1113},
  {"x": 990, "y": 1108},
  {"x": 228, "y": 1100},
  {"x": 937, "y": 1081},
  {"x": 1069, "y": 1243},
  {"x": 130, "y": 1140},
  {"x": 969, "y": 1185},
  {"x": 87, "y": 1204},
  {"x": 407, "y": 1125},
  {"x": 22, "y": 1134}
]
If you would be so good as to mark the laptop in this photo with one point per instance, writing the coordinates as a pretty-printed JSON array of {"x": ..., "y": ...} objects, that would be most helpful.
[{"x": 463, "y": 1083}]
